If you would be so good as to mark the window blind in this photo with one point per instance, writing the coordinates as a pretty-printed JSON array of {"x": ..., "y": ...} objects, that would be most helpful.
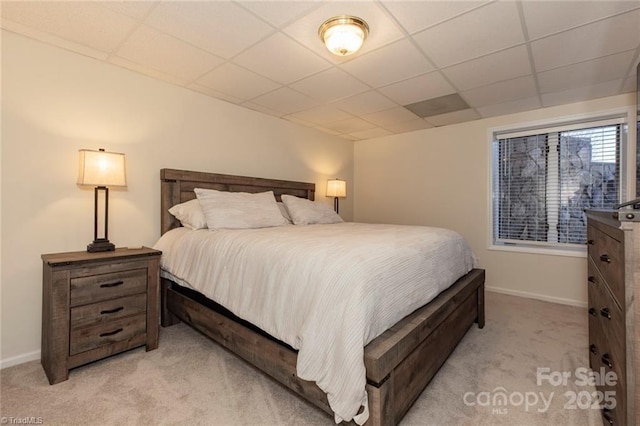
[{"x": 544, "y": 178}]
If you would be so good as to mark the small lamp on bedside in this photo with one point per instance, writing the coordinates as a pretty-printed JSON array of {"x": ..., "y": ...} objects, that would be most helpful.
[
  {"x": 336, "y": 188},
  {"x": 102, "y": 169}
]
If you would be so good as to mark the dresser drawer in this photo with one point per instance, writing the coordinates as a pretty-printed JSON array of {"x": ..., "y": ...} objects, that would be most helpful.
[
  {"x": 608, "y": 255},
  {"x": 87, "y": 338},
  {"x": 95, "y": 288},
  {"x": 603, "y": 308},
  {"x": 96, "y": 313}
]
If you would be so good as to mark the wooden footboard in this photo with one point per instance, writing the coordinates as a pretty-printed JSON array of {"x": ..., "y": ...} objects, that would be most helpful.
[{"x": 399, "y": 363}]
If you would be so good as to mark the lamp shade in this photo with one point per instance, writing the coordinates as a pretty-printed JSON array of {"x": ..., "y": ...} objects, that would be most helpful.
[
  {"x": 101, "y": 168},
  {"x": 336, "y": 188},
  {"x": 343, "y": 35}
]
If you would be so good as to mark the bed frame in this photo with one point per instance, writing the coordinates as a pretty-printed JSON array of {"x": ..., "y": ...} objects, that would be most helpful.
[{"x": 399, "y": 363}]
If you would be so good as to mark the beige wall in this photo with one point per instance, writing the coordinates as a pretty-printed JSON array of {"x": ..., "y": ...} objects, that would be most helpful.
[
  {"x": 55, "y": 102},
  {"x": 440, "y": 177}
]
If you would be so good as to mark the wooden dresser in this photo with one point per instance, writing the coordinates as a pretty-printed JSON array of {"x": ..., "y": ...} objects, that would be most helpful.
[
  {"x": 614, "y": 317},
  {"x": 97, "y": 304}
]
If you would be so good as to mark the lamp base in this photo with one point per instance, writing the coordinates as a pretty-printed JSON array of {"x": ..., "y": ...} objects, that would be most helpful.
[{"x": 100, "y": 245}]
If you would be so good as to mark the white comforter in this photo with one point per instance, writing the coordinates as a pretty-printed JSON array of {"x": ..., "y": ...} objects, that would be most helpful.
[{"x": 326, "y": 290}]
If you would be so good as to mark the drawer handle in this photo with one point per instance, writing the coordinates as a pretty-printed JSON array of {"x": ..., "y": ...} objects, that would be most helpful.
[
  {"x": 606, "y": 414},
  {"x": 605, "y": 258},
  {"x": 606, "y": 360},
  {"x": 114, "y": 284},
  {"x": 593, "y": 349},
  {"x": 592, "y": 312},
  {"x": 112, "y": 311},
  {"x": 591, "y": 279},
  {"x": 111, "y": 333},
  {"x": 591, "y": 242},
  {"x": 605, "y": 313}
]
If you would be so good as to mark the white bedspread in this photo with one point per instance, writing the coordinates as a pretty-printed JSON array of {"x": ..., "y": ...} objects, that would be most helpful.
[{"x": 326, "y": 290}]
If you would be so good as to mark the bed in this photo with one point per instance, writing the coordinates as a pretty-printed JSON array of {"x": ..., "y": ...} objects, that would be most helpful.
[{"x": 399, "y": 363}]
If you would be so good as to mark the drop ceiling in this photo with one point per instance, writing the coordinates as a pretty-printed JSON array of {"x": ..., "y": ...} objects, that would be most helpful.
[{"x": 491, "y": 57}]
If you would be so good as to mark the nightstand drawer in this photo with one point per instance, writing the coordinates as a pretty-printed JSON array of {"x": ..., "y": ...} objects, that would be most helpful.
[
  {"x": 87, "y": 338},
  {"x": 96, "y": 313},
  {"x": 95, "y": 288}
]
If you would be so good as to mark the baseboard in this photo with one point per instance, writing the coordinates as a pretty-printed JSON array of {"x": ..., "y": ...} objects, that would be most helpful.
[
  {"x": 20, "y": 359},
  {"x": 537, "y": 296}
]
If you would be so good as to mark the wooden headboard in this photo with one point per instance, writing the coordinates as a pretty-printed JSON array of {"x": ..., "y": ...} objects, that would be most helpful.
[{"x": 178, "y": 185}]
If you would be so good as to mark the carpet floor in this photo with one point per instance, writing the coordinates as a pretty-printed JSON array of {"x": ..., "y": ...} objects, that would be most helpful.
[{"x": 491, "y": 379}]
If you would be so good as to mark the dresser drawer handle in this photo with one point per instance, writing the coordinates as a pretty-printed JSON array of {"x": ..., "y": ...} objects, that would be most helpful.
[
  {"x": 112, "y": 311},
  {"x": 605, "y": 258},
  {"x": 111, "y": 333},
  {"x": 591, "y": 242},
  {"x": 114, "y": 284},
  {"x": 593, "y": 349},
  {"x": 606, "y": 360},
  {"x": 605, "y": 313},
  {"x": 592, "y": 312},
  {"x": 606, "y": 415},
  {"x": 591, "y": 279}
]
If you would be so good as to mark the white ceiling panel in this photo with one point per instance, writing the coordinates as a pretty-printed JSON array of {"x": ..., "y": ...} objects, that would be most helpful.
[
  {"x": 392, "y": 63},
  {"x": 235, "y": 28},
  {"x": 591, "y": 41},
  {"x": 504, "y": 65},
  {"x": 548, "y": 17},
  {"x": 330, "y": 85},
  {"x": 238, "y": 82},
  {"x": 281, "y": 59},
  {"x": 488, "y": 29},
  {"x": 416, "y": 89},
  {"x": 505, "y": 91},
  {"x": 267, "y": 55},
  {"x": 418, "y": 15},
  {"x": 150, "y": 48}
]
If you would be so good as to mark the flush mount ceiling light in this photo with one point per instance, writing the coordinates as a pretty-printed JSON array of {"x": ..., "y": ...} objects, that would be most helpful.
[{"x": 343, "y": 35}]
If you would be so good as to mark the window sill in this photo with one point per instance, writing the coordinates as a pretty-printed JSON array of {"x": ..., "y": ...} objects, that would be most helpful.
[{"x": 541, "y": 250}]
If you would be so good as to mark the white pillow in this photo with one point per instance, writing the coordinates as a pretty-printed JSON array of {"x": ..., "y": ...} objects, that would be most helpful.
[
  {"x": 189, "y": 214},
  {"x": 284, "y": 211},
  {"x": 307, "y": 212},
  {"x": 239, "y": 210}
]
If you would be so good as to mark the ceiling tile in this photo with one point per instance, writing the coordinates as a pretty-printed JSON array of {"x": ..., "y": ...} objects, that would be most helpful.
[
  {"x": 365, "y": 103},
  {"x": 426, "y": 86},
  {"x": 591, "y": 41},
  {"x": 279, "y": 13},
  {"x": 408, "y": 126},
  {"x": 214, "y": 94},
  {"x": 630, "y": 85},
  {"x": 582, "y": 94},
  {"x": 329, "y": 85},
  {"x": 325, "y": 130},
  {"x": 220, "y": 27},
  {"x": 453, "y": 117},
  {"x": 389, "y": 64},
  {"x": 505, "y": 91},
  {"x": 135, "y": 9},
  {"x": 376, "y": 132},
  {"x": 125, "y": 63},
  {"x": 321, "y": 115},
  {"x": 151, "y": 48},
  {"x": 548, "y": 17},
  {"x": 236, "y": 81},
  {"x": 512, "y": 107},
  {"x": 86, "y": 23},
  {"x": 390, "y": 116},
  {"x": 262, "y": 109},
  {"x": 484, "y": 30},
  {"x": 585, "y": 73},
  {"x": 418, "y": 15},
  {"x": 504, "y": 65},
  {"x": 281, "y": 59},
  {"x": 350, "y": 125},
  {"x": 285, "y": 101},
  {"x": 383, "y": 29}
]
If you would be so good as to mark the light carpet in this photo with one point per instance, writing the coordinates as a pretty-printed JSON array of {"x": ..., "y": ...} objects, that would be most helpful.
[{"x": 191, "y": 380}]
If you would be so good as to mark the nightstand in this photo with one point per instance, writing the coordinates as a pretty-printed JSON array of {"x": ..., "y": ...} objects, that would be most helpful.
[{"x": 97, "y": 304}]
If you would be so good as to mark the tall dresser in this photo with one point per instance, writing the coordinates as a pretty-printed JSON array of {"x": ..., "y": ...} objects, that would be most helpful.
[{"x": 614, "y": 316}]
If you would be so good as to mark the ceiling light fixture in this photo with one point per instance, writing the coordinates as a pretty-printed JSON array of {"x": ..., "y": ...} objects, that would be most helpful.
[{"x": 343, "y": 35}]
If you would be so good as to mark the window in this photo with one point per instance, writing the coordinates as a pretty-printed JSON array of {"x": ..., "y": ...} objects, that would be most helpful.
[{"x": 544, "y": 178}]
